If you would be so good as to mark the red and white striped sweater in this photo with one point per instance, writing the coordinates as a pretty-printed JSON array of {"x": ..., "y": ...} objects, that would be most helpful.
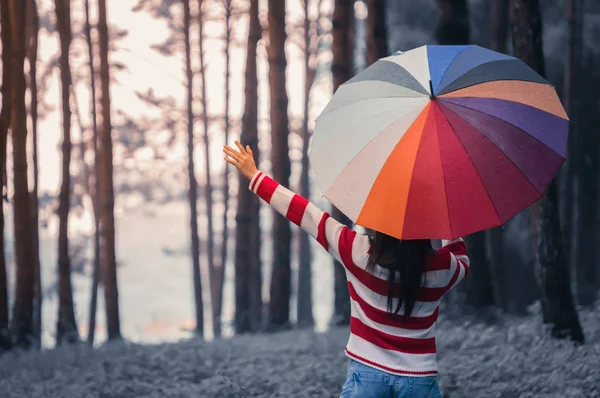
[{"x": 377, "y": 338}]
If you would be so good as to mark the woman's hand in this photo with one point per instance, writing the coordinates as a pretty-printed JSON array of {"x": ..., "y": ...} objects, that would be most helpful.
[{"x": 242, "y": 159}]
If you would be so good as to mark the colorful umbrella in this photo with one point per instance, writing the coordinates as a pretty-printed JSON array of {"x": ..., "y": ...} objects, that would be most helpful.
[{"x": 439, "y": 142}]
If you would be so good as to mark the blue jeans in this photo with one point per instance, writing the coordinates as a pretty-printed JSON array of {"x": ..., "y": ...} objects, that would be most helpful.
[{"x": 367, "y": 382}]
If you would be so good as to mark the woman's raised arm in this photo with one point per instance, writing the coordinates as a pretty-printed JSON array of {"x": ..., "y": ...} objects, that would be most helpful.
[
  {"x": 459, "y": 262},
  {"x": 335, "y": 237}
]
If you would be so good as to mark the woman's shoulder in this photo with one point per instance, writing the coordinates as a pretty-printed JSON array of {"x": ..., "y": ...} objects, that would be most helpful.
[
  {"x": 362, "y": 244},
  {"x": 438, "y": 259}
]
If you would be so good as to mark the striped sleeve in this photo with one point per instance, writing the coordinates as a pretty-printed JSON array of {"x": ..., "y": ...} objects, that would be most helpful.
[
  {"x": 459, "y": 261},
  {"x": 335, "y": 237}
]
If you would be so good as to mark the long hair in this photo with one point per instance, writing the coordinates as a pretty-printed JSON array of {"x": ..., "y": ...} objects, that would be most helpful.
[{"x": 405, "y": 262}]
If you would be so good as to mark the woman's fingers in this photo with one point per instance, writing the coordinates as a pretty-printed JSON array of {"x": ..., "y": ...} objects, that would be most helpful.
[
  {"x": 231, "y": 156},
  {"x": 231, "y": 152},
  {"x": 242, "y": 159},
  {"x": 228, "y": 149},
  {"x": 230, "y": 161},
  {"x": 240, "y": 147}
]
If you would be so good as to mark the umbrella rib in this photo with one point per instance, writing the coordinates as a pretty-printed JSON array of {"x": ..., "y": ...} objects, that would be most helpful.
[
  {"x": 448, "y": 87},
  {"x": 474, "y": 168},
  {"x": 363, "y": 100},
  {"x": 332, "y": 139},
  {"x": 494, "y": 144},
  {"x": 506, "y": 121},
  {"x": 378, "y": 70},
  {"x": 442, "y": 91},
  {"x": 442, "y": 94},
  {"x": 446, "y": 96},
  {"x": 448, "y": 68},
  {"x": 420, "y": 94}
]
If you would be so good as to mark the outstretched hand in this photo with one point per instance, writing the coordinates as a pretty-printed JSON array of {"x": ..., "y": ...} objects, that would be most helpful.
[{"x": 242, "y": 159}]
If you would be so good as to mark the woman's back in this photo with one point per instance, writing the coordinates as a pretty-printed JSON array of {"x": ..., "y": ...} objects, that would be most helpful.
[
  {"x": 386, "y": 340},
  {"x": 378, "y": 338}
]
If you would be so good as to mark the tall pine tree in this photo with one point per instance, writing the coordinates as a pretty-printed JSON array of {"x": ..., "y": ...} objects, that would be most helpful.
[
  {"x": 342, "y": 69},
  {"x": 66, "y": 327},
  {"x": 280, "y": 289},
  {"x": 557, "y": 299},
  {"x": 22, "y": 319},
  {"x": 106, "y": 194},
  {"x": 248, "y": 278}
]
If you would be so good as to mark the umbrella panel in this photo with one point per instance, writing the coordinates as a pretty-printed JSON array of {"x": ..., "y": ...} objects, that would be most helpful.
[{"x": 546, "y": 128}]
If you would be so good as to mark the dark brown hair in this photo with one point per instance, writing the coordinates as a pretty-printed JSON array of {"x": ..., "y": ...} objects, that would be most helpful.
[{"x": 405, "y": 262}]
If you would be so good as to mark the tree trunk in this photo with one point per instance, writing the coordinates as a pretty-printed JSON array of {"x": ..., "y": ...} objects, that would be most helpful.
[
  {"x": 582, "y": 166},
  {"x": 22, "y": 320},
  {"x": 499, "y": 25},
  {"x": 220, "y": 277},
  {"x": 527, "y": 45},
  {"x": 304, "y": 302},
  {"x": 6, "y": 100},
  {"x": 343, "y": 42},
  {"x": 94, "y": 194},
  {"x": 589, "y": 171},
  {"x": 554, "y": 273},
  {"x": 452, "y": 22},
  {"x": 87, "y": 176},
  {"x": 586, "y": 254},
  {"x": 193, "y": 184},
  {"x": 279, "y": 302},
  {"x": 341, "y": 300},
  {"x": 33, "y": 27},
  {"x": 376, "y": 31},
  {"x": 478, "y": 287},
  {"x": 526, "y": 24},
  {"x": 66, "y": 326},
  {"x": 106, "y": 197},
  {"x": 592, "y": 63},
  {"x": 494, "y": 246},
  {"x": 570, "y": 172},
  {"x": 208, "y": 197},
  {"x": 495, "y": 236},
  {"x": 248, "y": 279},
  {"x": 5, "y": 340},
  {"x": 342, "y": 68}
]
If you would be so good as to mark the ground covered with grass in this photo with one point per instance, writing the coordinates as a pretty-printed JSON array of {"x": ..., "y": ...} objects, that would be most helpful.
[{"x": 509, "y": 358}]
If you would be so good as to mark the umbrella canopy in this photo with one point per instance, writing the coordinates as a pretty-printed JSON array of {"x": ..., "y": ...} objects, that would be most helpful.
[{"x": 439, "y": 142}]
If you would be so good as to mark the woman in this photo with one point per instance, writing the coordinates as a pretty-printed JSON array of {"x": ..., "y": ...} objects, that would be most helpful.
[{"x": 395, "y": 289}]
